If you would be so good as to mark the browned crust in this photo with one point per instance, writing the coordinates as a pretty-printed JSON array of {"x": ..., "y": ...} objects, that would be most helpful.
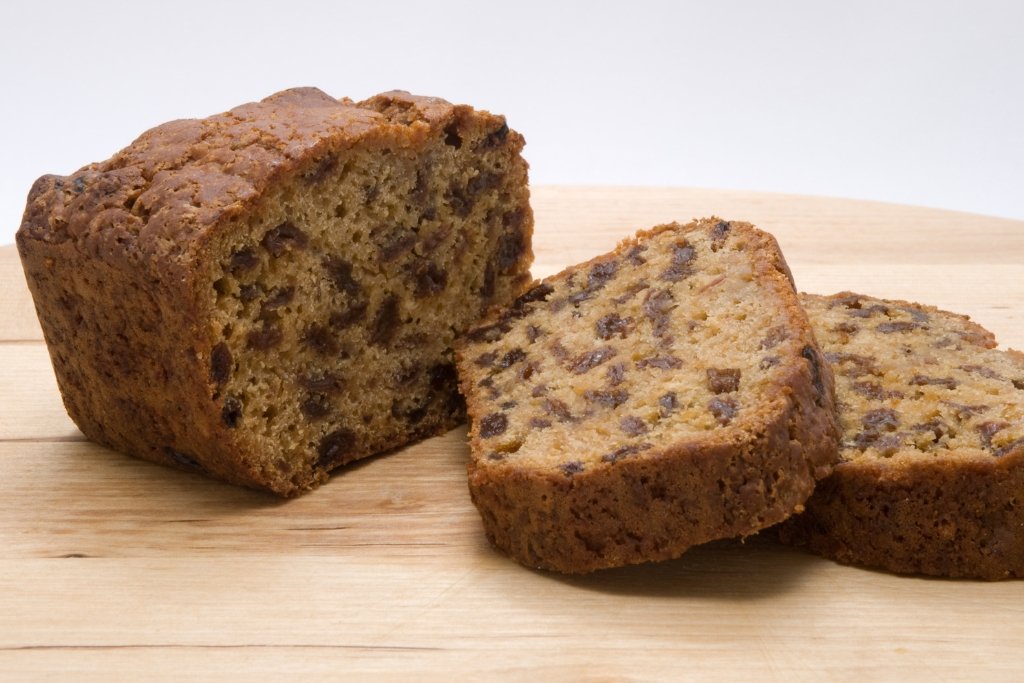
[
  {"x": 657, "y": 505},
  {"x": 958, "y": 515},
  {"x": 162, "y": 196},
  {"x": 111, "y": 254}
]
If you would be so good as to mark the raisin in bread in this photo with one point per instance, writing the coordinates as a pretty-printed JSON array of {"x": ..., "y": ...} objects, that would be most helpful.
[
  {"x": 660, "y": 396},
  {"x": 266, "y": 294},
  {"x": 931, "y": 479}
]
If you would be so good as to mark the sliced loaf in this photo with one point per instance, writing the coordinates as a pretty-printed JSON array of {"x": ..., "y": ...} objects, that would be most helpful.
[{"x": 269, "y": 293}]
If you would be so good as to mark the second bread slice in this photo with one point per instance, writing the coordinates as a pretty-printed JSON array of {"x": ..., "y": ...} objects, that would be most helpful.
[
  {"x": 931, "y": 476},
  {"x": 660, "y": 396}
]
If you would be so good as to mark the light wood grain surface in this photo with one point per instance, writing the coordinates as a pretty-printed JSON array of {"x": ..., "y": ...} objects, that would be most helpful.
[{"x": 113, "y": 568}]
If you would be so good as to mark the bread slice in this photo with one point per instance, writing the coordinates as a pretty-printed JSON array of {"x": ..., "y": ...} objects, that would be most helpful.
[
  {"x": 272, "y": 292},
  {"x": 660, "y": 396},
  {"x": 932, "y": 473}
]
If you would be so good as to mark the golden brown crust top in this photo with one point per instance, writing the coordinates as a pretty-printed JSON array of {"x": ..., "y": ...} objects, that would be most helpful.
[{"x": 166, "y": 189}]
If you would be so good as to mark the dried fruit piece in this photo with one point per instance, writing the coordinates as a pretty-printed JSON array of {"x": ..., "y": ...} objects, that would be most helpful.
[
  {"x": 494, "y": 424},
  {"x": 243, "y": 260},
  {"x": 723, "y": 380},
  {"x": 586, "y": 362},
  {"x": 285, "y": 237},
  {"x": 220, "y": 364},
  {"x": 323, "y": 382},
  {"x": 874, "y": 390},
  {"x": 880, "y": 418},
  {"x": 632, "y": 425},
  {"x": 724, "y": 409},
  {"x": 611, "y": 325},
  {"x": 682, "y": 257},
  {"x": 609, "y": 399},
  {"x": 315, "y": 405},
  {"x": 335, "y": 447},
  {"x": 321, "y": 339},
  {"x": 924, "y": 380},
  {"x": 657, "y": 305},
  {"x": 430, "y": 279},
  {"x": 265, "y": 337},
  {"x": 896, "y": 326},
  {"x": 339, "y": 272},
  {"x": 660, "y": 362},
  {"x": 625, "y": 451},
  {"x": 385, "y": 324},
  {"x": 572, "y": 467}
]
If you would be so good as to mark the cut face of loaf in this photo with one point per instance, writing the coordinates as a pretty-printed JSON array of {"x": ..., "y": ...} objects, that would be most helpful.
[
  {"x": 660, "y": 396},
  {"x": 272, "y": 292},
  {"x": 932, "y": 473}
]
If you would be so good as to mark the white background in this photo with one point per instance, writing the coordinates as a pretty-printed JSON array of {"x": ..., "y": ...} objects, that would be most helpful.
[{"x": 915, "y": 102}]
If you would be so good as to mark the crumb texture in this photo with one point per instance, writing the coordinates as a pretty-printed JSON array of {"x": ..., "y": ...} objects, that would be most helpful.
[
  {"x": 272, "y": 292},
  {"x": 659, "y": 396},
  {"x": 932, "y": 472}
]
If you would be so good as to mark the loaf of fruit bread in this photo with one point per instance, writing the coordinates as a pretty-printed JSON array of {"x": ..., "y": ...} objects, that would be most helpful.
[
  {"x": 266, "y": 294},
  {"x": 666, "y": 394},
  {"x": 931, "y": 478}
]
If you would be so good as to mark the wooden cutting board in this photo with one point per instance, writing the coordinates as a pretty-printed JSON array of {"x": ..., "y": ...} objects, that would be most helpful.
[{"x": 115, "y": 568}]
